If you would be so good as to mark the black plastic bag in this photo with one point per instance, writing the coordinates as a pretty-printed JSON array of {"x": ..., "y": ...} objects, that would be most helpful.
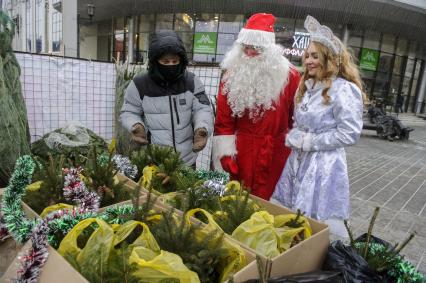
[
  {"x": 310, "y": 277},
  {"x": 373, "y": 239},
  {"x": 353, "y": 266}
]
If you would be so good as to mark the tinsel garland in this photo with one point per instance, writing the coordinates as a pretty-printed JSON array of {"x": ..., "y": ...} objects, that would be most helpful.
[
  {"x": 4, "y": 234},
  {"x": 16, "y": 223},
  {"x": 121, "y": 163},
  {"x": 124, "y": 166},
  {"x": 401, "y": 270},
  {"x": 221, "y": 177},
  {"x": 75, "y": 190},
  {"x": 117, "y": 214},
  {"x": 35, "y": 258},
  {"x": 214, "y": 188}
]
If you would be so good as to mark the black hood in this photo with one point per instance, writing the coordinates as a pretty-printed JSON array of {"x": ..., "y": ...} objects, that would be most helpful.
[{"x": 162, "y": 42}]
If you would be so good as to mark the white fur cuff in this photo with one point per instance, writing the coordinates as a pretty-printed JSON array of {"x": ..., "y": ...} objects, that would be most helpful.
[
  {"x": 223, "y": 145},
  {"x": 307, "y": 142}
]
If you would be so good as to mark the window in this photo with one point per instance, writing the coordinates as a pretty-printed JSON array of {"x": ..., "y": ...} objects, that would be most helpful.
[
  {"x": 355, "y": 38},
  {"x": 371, "y": 40},
  {"x": 388, "y": 43},
  {"x": 184, "y": 22},
  {"x": 146, "y": 23},
  {"x": 39, "y": 25},
  {"x": 205, "y": 38},
  {"x": 385, "y": 62},
  {"x": 164, "y": 21},
  {"x": 229, "y": 27},
  {"x": 413, "y": 49},
  {"x": 56, "y": 29},
  {"x": 29, "y": 25},
  {"x": 402, "y": 47},
  {"x": 119, "y": 39},
  {"x": 398, "y": 64}
]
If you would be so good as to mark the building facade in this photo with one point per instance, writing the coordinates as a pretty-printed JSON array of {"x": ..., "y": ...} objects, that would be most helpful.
[{"x": 386, "y": 37}]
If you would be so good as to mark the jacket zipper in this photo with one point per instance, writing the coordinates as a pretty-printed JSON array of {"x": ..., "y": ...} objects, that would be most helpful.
[
  {"x": 173, "y": 123},
  {"x": 177, "y": 114}
]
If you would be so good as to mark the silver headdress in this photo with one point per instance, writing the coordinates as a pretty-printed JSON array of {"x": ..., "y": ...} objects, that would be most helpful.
[{"x": 323, "y": 34}]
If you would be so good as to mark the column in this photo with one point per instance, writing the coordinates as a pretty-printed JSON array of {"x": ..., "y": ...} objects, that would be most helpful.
[
  {"x": 130, "y": 35},
  {"x": 422, "y": 91},
  {"x": 345, "y": 35},
  {"x": 69, "y": 27}
]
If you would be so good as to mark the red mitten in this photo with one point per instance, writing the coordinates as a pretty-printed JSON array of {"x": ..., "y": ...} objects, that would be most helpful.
[{"x": 229, "y": 165}]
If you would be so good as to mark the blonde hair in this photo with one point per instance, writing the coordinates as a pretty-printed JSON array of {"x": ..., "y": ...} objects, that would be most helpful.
[{"x": 331, "y": 65}]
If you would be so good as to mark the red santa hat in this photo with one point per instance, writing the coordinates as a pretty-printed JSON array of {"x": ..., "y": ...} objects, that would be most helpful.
[{"x": 258, "y": 31}]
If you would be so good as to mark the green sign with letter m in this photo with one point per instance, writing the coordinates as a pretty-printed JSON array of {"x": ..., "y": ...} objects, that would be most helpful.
[
  {"x": 369, "y": 59},
  {"x": 205, "y": 42}
]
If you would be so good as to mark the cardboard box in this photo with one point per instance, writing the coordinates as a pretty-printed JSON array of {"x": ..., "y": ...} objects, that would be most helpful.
[
  {"x": 56, "y": 269},
  {"x": 306, "y": 256}
]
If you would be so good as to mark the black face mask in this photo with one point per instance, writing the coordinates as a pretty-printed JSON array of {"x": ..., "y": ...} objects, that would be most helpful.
[{"x": 170, "y": 72}]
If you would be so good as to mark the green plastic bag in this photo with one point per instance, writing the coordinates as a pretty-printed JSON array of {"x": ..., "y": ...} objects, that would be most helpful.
[{"x": 160, "y": 266}]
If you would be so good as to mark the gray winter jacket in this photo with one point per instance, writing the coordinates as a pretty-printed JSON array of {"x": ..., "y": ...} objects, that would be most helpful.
[{"x": 170, "y": 115}]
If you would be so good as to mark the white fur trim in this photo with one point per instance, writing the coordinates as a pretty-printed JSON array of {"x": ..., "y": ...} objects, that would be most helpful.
[
  {"x": 307, "y": 142},
  {"x": 223, "y": 145},
  {"x": 256, "y": 37}
]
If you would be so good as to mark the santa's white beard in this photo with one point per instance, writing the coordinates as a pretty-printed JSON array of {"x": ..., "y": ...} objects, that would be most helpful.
[{"x": 254, "y": 84}]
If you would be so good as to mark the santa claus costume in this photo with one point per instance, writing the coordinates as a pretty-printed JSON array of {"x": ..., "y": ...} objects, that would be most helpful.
[{"x": 255, "y": 108}]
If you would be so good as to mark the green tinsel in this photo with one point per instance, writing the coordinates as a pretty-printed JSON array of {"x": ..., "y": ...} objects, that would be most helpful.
[
  {"x": 17, "y": 224},
  {"x": 400, "y": 269},
  {"x": 203, "y": 174},
  {"x": 59, "y": 228},
  {"x": 118, "y": 214}
]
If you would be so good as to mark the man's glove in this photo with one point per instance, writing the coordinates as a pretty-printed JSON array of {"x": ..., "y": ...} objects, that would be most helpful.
[
  {"x": 139, "y": 134},
  {"x": 200, "y": 139},
  {"x": 229, "y": 165}
]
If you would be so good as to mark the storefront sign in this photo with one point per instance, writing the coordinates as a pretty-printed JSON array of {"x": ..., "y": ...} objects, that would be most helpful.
[
  {"x": 205, "y": 42},
  {"x": 300, "y": 43},
  {"x": 369, "y": 59}
]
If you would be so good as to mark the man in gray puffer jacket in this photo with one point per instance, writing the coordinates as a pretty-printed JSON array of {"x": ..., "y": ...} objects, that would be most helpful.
[{"x": 168, "y": 105}]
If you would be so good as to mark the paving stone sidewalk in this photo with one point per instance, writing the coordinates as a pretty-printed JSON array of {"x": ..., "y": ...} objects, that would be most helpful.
[{"x": 391, "y": 175}]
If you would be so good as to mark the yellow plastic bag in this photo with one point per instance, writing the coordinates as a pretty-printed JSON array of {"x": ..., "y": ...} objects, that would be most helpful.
[
  {"x": 91, "y": 260},
  {"x": 235, "y": 259},
  {"x": 145, "y": 239},
  {"x": 267, "y": 234},
  {"x": 288, "y": 234},
  {"x": 55, "y": 207},
  {"x": 94, "y": 259},
  {"x": 34, "y": 186},
  {"x": 259, "y": 233},
  {"x": 157, "y": 266}
]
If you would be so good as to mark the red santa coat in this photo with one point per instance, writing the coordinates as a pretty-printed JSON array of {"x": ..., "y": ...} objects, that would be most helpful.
[{"x": 258, "y": 146}]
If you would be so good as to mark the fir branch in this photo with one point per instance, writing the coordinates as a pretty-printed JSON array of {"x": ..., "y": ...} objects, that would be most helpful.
[
  {"x": 351, "y": 236},
  {"x": 401, "y": 246},
  {"x": 370, "y": 230}
]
